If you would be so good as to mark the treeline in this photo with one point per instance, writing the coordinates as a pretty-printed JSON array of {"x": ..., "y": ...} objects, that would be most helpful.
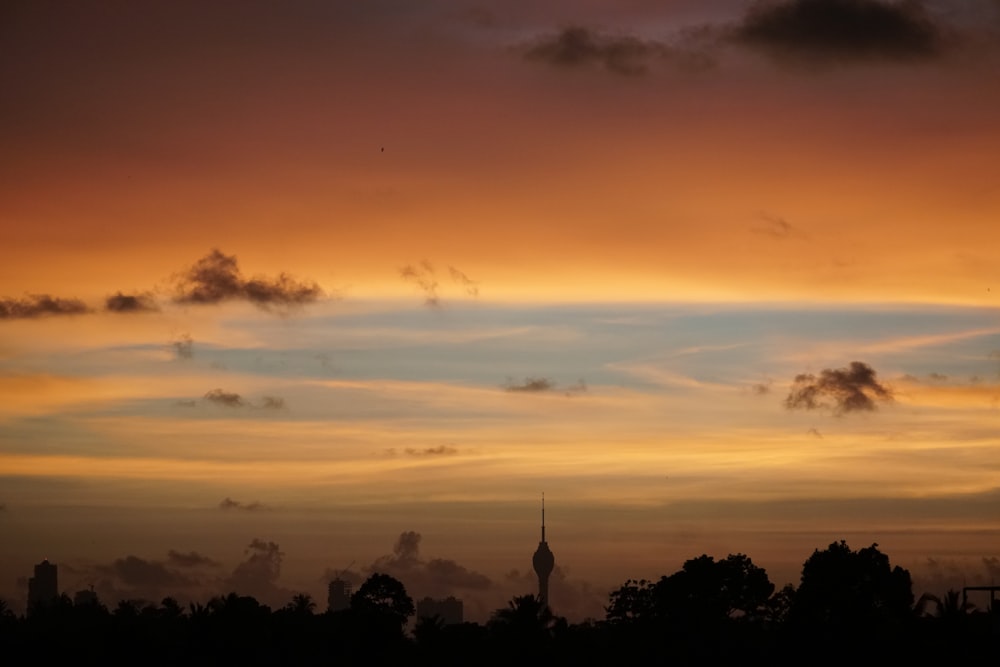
[{"x": 850, "y": 606}]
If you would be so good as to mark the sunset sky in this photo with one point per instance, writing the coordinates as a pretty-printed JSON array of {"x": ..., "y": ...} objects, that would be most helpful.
[{"x": 294, "y": 287}]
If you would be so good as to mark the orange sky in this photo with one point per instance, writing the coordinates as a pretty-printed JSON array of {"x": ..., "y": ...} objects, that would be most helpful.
[{"x": 667, "y": 237}]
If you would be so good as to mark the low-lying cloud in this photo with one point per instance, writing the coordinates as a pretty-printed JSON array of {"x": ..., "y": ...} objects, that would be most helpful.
[
  {"x": 437, "y": 577},
  {"x": 120, "y": 302},
  {"x": 40, "y": 305},
  {"x": 216, "y": 278},
  {"x": 190, "y": 559},
  {"x": 228, "y": 503},
  {"x": 850, "y": 389}
]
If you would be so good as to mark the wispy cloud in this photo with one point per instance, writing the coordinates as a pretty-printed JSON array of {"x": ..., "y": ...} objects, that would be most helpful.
[
  {"x": 470, "y": 286},
  {"x": 228, "y": 503},
  {"x": 773, "y": 226},
  {"x": 423, "y": 276},
  {"x": 577, "y": 46},
  {"x": 183, "y": 346},
  {"x": 225, "y": 398}
]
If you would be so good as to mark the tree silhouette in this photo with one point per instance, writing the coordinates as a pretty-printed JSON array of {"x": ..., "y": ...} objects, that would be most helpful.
[
  {"x": 385, "y": 596},
  {"x": 302, "y": 604},
  {"x": 844, "y": 590}
]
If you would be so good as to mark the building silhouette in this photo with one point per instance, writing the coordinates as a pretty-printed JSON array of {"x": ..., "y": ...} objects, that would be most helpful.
[
  {"x": 338, "y": 595},
  {"x": 449, "y": 610},
  {"x": 43, "y": 588},
  {"x": 85, "y": 597},
  {"x": 543, "y": 561}
]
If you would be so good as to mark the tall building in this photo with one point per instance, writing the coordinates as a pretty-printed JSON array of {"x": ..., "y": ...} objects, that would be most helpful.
[
  {"x": 43, "y": 588},
  {"x": 338, "y": 595},
  {"x": 449, "y": 610},
  {"x": 543, "y": 561}
]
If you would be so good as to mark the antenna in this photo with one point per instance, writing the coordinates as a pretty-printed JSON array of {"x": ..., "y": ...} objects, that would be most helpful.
[{"x": 543, "y": 516}]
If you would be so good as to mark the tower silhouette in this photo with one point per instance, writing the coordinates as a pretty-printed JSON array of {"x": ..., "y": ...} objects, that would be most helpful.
[{"x": 543, "y": 561}]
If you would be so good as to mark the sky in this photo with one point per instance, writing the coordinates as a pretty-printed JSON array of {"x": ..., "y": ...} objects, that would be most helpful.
[{"x": 298, "y": 289}]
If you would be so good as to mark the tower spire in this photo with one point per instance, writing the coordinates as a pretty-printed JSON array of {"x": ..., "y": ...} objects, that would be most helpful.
[{"x": 543, "y": 516}]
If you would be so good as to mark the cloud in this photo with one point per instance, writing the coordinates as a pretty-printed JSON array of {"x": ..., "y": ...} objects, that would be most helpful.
[
  {"x": 130, "y": 303},
  {"x": 190, "y": 559},
  {"x": 183, "y": 347},
  {"x": 530, "y": 385},
  {"x": 40, "y": 305},
  {"x": 258, "y": 574},
  {"x": 216, "y": 278},
  {"x": 815, "y": 433},
  {"x": 186, "y": 403},
  {"x": 576, "y": 46},
  {"x": 422, "y": 275},
  {"x": 851, "y": 389},
  {"x": 841, "y": 30},
  {"x": 272, "y": 403},
  {"x": 437, "y": 577},
  {"x": 228, "y": 503},
  {"x": 774, "y": 226},
  {"x": 138, "y": 573},
  {"x": 440, "y": 450},
  {"x": 471, "y": 286},
  {"x": 761, "y": 388},
  {"x": 228, "y": 399}
]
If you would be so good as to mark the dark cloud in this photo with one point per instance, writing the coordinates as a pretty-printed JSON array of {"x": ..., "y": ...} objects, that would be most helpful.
[
  {"x": 761, "y": 388},
  {"x": 186, "y": 403},
  {"x": 851, "y": 389},
  {"x": 841, "y": 30},
  {"x": 216, "y": 278},
  {"x": 228, "y": 503},
  {"x": 423, "y": 276},
  {"x": 530, "y": 384},
  {"x": 272, "y": 403},
  {"x": 938, "y": 377},
  {"x": 258, "y": 574},
  {"x": 190, "y": 559},
  {"x": 183, "y": 346},
  {"x": 471, "y": 286},
  {"x": 577, "y": 46},
  {"x": 228, "y": 399},
  {"x": 130, "y": 303},
  {"x": 138, "y": 573},
  {"x": 815, "y": 433},
  {"x": 40, "y": 305}
]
